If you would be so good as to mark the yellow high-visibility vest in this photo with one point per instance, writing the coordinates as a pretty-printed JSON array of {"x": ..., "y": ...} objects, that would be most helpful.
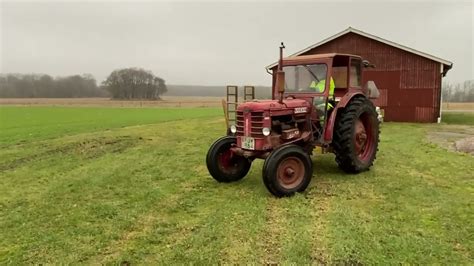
[{"x": 321, "y": 85}]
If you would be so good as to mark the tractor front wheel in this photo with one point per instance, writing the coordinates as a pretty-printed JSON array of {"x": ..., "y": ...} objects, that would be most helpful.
[
  {"x": 356, "y": 136},
  {"x": 287, "y": 170},
  {"x": 223, "y": 164}
]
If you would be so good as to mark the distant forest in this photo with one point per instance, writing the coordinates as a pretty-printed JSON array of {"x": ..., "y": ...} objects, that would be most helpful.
[
  {"x": 45, "y": 86},
  {"x": 128, "y": 83},
  {"x": 124, "y": 84},
  {"x": 121, "y": 84},
  {"x": 458, "y": 92}
]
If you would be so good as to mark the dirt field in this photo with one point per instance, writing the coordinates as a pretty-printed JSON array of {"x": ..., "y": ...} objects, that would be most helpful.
[
  {"x": 461, "y": 107},
  {"x": 169, "y": 101},
  {"x": 448, "y": 136}
]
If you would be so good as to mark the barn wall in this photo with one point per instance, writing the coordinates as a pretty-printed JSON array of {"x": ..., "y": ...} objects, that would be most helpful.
[{"x": 409, "y": 84}]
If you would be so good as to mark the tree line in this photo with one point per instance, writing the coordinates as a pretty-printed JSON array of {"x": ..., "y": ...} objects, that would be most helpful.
[
  {"x": 458, "y": 92},
  {"x": 128, "y": 83},
  {"x": 137, "y": 83},
  {"x": 45, "y": 86}
]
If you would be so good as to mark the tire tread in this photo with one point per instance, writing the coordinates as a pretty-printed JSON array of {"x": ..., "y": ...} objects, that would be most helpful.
[{"x": 343, "y": 135}]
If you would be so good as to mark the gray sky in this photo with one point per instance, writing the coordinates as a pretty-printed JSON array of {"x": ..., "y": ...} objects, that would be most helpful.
[{"x": 216, "y": 43}]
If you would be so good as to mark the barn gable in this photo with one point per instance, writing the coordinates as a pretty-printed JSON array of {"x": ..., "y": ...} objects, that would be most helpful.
[
  {"x": 447, "y": 64},
  {"x": 409, "y": 81}
]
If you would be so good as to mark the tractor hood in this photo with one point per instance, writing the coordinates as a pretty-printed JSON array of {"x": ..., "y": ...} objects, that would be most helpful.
[{"x": 274, "y": 105}]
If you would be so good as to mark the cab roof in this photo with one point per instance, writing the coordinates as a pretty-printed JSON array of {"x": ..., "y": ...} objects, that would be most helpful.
[
  {"x": 306, "y": 58},
  {"x": 319, "y": 56}
]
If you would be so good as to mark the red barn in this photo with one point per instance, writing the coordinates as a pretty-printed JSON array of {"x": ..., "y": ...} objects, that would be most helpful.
[{"x": 409, "y": 81}]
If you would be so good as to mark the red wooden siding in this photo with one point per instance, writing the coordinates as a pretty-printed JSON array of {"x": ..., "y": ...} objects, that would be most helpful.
[{"x": 409, "y": 84}]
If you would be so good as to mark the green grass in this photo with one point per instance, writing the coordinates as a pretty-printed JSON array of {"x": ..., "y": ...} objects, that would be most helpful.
[
  {"x": 458, "y": 118},
  {"x": 140, "y": 193},
  {"x": 20, "y": 124}
]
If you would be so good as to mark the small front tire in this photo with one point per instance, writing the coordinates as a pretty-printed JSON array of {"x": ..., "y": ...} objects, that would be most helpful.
[
  {"x": 224, "y": 165},
  {"x": 287, "y": 170}
]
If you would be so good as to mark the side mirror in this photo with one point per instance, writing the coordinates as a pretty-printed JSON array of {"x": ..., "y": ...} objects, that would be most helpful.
[
  {"x": 368, "y": 64},
  {"x": 280, "y": 81}
]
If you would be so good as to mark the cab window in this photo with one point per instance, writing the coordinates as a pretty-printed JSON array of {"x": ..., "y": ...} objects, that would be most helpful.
[
  {"x": 339, "y": 74},
  {"x": 303, "y": 78},
  {"x": 355, "y": 73}
]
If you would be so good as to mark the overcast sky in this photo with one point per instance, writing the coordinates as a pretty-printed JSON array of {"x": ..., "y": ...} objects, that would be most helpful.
[{"x": 216, "y": 43}]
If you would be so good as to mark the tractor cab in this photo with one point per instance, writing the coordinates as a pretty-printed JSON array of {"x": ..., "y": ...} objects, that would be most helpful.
[{"x": 322, "y": 79}]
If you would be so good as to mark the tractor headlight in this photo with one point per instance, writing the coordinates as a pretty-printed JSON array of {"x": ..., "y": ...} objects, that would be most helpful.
[
  {"x": 233, "y": 129},
  {"x": 266, "y": 131}
]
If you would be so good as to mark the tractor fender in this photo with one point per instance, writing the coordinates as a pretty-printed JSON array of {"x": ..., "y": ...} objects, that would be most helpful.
[{"x": 332, "y": 118}]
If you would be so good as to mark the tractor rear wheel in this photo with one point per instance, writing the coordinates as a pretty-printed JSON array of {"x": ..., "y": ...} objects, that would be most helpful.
[
  {"x": 287, "y": 170},
  {"x": 223, "y": 164},
  {"x": 356, "y": 135}
]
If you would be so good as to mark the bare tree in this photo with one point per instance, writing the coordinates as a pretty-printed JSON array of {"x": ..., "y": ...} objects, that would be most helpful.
[
  {"x": 458, "y": 92},
  {"x": 134, "y": 83}
]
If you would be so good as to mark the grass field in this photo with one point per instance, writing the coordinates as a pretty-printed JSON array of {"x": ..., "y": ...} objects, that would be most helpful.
[
  {"x": 90, "y": 186},
  {"x": 20, "y": 124},
  {"x": 458, "y": 118}
]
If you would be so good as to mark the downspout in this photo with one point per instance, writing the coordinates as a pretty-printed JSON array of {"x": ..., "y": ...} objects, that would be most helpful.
[{"x": 441, "y": 92}]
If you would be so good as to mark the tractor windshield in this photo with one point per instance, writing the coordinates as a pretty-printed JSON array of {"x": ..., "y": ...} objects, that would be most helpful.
[{"x": 305, "y": 78}]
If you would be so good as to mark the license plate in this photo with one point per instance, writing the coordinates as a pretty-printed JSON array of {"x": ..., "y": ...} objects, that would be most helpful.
[{"x": 248, "y": 143}]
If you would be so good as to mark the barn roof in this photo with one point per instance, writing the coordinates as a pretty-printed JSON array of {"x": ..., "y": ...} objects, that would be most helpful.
[{"x": 447, "y": 63}]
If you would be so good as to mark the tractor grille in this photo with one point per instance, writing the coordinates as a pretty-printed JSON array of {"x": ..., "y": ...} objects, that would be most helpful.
[{"x": 255, "y": 122}]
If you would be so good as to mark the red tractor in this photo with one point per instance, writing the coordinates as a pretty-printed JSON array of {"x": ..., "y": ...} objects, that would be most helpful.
[{"x": 305, "y": 112}]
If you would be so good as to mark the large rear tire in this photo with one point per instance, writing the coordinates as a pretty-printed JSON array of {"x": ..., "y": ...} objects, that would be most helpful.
[
  {"x": 356, "y": 135},
  {"x": 287, "y": 170},
  {"x": 223, "y": 164}
]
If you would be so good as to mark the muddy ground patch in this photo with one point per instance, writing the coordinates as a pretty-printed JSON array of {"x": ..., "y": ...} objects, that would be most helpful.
[{"x": 452, "y": 137}]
